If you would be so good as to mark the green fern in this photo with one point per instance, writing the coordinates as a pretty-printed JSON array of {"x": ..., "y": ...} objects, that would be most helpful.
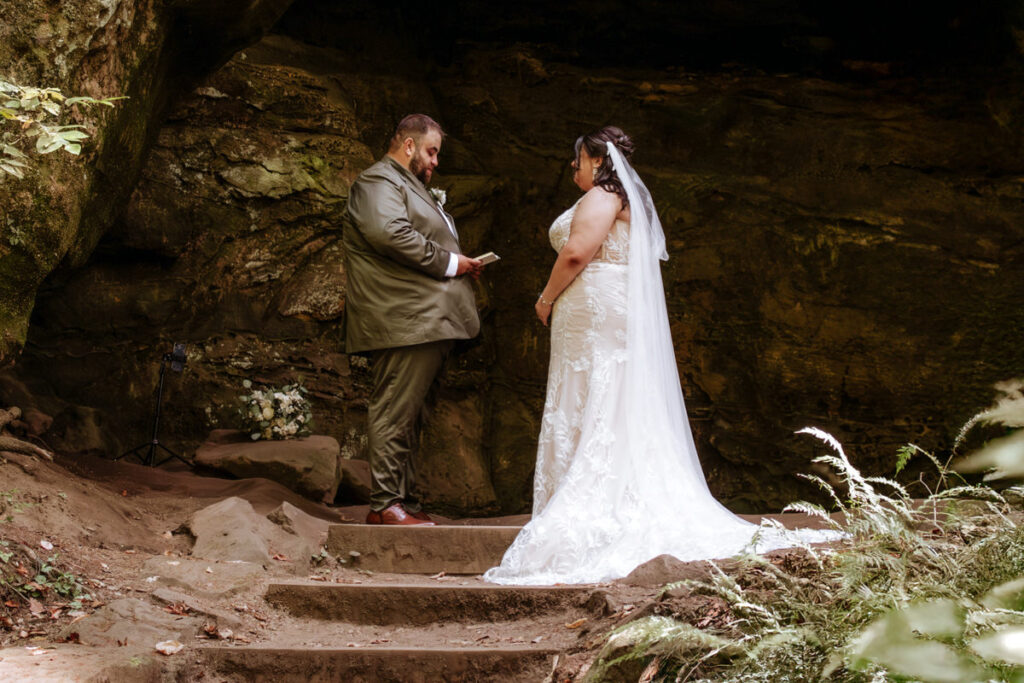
[{"x": 918, "y": 591}]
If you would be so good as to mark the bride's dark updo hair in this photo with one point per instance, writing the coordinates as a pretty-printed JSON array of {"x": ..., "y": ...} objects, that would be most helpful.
[{"x": 597, "y": 148}]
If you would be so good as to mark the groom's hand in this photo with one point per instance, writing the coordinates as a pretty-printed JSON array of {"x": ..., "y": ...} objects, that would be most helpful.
[{"x": 469, "y": 266}]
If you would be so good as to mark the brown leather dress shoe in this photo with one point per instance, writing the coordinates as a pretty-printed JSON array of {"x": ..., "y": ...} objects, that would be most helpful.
[
  {"x": 421, "y": 515},
  {"x": 396, "y": 514}
]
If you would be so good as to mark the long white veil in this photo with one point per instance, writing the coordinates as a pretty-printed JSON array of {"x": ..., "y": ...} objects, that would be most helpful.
[{"x": 655, "y": 412}]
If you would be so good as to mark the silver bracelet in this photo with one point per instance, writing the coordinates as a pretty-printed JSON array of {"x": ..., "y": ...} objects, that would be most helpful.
[{"x": 545, "y": 301}]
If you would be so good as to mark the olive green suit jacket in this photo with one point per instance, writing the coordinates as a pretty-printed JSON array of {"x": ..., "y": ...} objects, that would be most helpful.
[{"x": 397, "y": 250}]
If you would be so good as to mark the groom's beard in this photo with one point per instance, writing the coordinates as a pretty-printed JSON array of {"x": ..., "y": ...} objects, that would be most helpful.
[{"x": 420, "y": 170}]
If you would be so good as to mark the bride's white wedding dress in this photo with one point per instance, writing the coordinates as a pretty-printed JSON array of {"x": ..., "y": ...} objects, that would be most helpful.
[{"x": 618, "y": 481}]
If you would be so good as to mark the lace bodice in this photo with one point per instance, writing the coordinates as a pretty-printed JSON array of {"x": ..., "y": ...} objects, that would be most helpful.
[{"x": 615, "y": 248}]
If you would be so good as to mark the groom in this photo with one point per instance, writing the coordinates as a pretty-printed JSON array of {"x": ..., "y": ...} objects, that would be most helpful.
[{"x": 405, "y": 305}]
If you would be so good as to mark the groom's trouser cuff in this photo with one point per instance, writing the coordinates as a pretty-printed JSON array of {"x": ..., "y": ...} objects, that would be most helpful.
[{"x": 403, "y": 380}]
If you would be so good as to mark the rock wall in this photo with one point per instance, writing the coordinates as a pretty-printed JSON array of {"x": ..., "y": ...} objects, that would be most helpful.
[
  {"x": 146, "y": 50},
  {"x": 845, "y": 241}
]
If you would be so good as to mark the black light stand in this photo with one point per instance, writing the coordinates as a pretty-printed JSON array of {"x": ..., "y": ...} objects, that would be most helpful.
[{"x": 177, "y": 360}]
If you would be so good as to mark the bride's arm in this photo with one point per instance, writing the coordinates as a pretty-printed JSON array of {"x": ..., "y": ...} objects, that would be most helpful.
[{"x": 591, "y": 224}]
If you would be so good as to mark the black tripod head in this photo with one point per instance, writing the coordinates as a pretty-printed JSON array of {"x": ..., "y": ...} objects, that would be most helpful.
[{"x": 177, "y": 357}]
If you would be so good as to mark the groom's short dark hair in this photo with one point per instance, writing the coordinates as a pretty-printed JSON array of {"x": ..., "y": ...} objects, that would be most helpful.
[{"x": 414, "y": 126}]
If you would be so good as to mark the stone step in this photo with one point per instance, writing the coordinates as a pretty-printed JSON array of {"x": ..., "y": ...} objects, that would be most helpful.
[
  {"x": 422, "y": 603},
  {"x": 421, "y": 549},
  {"x": 377, "y": 665}
]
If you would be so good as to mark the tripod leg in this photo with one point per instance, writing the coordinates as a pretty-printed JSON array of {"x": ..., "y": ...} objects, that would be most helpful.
[{"x": 170, "y": 454}]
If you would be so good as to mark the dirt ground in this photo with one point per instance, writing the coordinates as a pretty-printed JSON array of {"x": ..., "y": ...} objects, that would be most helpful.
[{"x": 115, "y": 531}]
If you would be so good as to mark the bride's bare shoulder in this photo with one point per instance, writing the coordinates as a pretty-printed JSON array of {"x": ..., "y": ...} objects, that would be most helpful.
[{"x": 601, "y": 201}]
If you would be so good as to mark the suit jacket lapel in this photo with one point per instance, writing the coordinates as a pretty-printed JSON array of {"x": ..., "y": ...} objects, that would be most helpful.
[{"x": 421, "y": 192}]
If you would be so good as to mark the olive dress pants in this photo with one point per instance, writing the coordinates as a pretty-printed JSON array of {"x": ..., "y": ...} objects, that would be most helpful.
[{"x": 405, "y": 381}]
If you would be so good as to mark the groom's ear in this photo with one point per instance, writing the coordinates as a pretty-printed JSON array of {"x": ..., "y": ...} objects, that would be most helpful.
[{"x": 409, "y": 147}]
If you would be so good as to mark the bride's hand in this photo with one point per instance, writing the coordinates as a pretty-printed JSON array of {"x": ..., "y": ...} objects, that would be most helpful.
[{"x": 543, "y": 310}]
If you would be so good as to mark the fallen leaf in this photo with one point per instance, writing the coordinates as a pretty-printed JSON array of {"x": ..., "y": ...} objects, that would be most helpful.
[
  {"x": 537, "y": 639},
  {"x": 179, "y": 608},
  {"x": 438, "y": 576},
  {"x": 10, "y": 603},
  {"x": 209, "y": 570},
  {"x": 124, "y": 492},
  {"x": 130, "y": 551},
  {"x": 21, "y": 570},
  {"x": 169, "y": 647},
  {"x": 45, "y": 544},
  {"x": 577, "y": 623},
  {"x": 280, "y": 558}
]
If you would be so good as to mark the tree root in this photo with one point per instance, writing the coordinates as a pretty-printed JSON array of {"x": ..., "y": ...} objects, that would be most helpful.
[
  {"x": 9, "y": 443},
  {"x": 8, "y": 416},
  {"x": 12, "y": 417}
]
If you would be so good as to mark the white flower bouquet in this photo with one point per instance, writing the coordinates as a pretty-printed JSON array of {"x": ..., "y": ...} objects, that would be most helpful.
[{"x": 276, "y": 413}]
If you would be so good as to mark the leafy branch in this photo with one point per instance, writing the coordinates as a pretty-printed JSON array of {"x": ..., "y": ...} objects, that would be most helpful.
[{"x": 30, "y": 112}]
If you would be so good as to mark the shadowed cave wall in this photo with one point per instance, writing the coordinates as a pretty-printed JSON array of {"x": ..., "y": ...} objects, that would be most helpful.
[{"x": 841, "y": 187}]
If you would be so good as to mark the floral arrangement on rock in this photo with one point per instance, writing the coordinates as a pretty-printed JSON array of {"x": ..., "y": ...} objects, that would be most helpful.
[{"x": 276, "y": 412}]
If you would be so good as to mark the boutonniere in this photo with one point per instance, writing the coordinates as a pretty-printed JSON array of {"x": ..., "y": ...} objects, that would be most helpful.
[{"x": 439, "y": 196}]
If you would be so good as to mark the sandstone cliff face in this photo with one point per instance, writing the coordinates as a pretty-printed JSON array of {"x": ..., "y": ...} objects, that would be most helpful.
[
  {"x": 846, "y": 251},
  {"x": 145, "y": 50}
]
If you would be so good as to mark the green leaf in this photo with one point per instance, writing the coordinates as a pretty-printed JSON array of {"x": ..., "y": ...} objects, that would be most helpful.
[
  {"x": 13, "y": 151},
  {"x": 73, "y": 135},
  {"x": 73, "y": 148},
  {"x": 1004, "y": 456},
  {"x": 903, "y": 456},
  {"x": 16, "y": 172},
  {"x": 1009, "y": 595},
  {"x": 12, "y": 104},
  {"x": 48, "y": 143},
  {"x": 891, "y": 642},
  {"x": 937, "y": 619},
  {"x": 51, "y": 107},
  {"x": 1005, "y": 645}
]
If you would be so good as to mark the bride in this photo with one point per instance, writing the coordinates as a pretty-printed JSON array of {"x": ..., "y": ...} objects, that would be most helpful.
[{"x": 617, "y": 481}]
